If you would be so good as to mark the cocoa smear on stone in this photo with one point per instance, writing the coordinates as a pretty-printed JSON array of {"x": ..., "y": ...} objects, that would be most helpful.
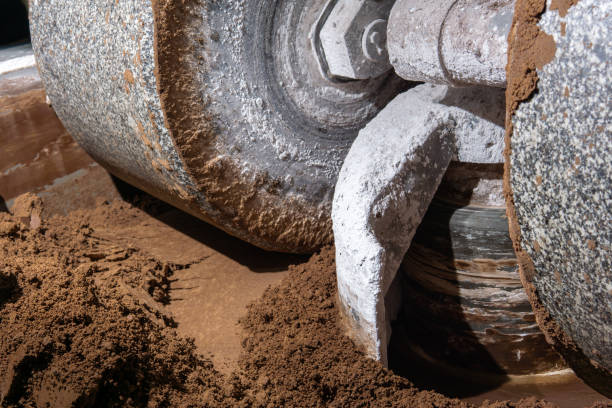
[
  {"x": 82, "y": 324},
  {"x": 529, "y": 48}
]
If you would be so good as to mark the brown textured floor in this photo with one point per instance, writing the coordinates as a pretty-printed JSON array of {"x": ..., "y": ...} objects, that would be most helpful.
[{"x": 295, "y": 352}]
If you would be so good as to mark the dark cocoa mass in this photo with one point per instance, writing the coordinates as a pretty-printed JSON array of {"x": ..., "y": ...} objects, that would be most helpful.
[{"x": 8, "y": 286}]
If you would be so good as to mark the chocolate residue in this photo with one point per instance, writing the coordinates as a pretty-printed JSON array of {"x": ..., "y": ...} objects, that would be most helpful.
[
  {"x": 129, "y": 78},
  {"x": 529, "y": 49},
  {"x": 36, "y": 149},
  {"x": 238, "y": 201},
  {"x": 545, "y": 44}
]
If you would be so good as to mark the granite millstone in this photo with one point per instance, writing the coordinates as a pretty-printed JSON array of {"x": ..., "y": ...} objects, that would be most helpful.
[
  {"x": 97, "y": 62},
  {"x": 561, "y": 178}
]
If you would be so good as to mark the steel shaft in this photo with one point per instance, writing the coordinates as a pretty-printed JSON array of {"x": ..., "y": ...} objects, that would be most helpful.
[{"x": 453, "y": 42}]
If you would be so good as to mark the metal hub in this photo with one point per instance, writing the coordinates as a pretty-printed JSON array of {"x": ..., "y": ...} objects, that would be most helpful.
[{"x": 309, "y": 88}]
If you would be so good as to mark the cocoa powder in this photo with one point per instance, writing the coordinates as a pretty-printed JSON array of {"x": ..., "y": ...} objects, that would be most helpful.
[
  {"x": 297, "y": 354},
  {"x": 82, "y": 324}
]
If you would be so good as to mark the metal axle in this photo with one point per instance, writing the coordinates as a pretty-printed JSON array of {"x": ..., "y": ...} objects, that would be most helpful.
[{"x": 453, "y": 42}]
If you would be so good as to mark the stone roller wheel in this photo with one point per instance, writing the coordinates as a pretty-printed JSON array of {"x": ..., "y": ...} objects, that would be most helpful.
[
  {"x": 559, "y": 173},
  {"x": 220, "y": 108}
]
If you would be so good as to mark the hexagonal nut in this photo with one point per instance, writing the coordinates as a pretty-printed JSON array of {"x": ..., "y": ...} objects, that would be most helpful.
[{"x": 354, "y": 36}]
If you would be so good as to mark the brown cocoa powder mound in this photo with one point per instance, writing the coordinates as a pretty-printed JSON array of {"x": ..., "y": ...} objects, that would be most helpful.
[
  {"x": 296, "y": 353},
  {"x": 562, "y": 5},
  {"x": 79, "y": 327},
  {"x": 28, "y": 209},
  {"x": 530, "y": 402}
]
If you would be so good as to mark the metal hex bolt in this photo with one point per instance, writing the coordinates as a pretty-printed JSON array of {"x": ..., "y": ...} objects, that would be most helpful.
[{"x": 354, "y": 38}]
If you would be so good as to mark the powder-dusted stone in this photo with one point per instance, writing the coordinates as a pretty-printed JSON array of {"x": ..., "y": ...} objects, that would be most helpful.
[
  {"x": 386, "y": 185},
  {"x": 456, "y": 42},
  {"x": 561, "y": 178}
]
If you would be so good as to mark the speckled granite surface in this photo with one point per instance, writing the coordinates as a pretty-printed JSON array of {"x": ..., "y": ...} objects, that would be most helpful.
[
  {"x": 561, "y": 176},
  {"x": 96, "y": 60}
]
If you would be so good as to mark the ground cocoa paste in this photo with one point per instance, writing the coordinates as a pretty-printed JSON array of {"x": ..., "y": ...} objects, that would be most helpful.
[{"x": 82, "y": 323}]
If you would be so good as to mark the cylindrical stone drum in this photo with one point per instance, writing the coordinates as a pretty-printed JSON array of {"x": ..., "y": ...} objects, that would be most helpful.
[
  {"x": 219, "y": 108},
  {"x": 558, "y": 175}
]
